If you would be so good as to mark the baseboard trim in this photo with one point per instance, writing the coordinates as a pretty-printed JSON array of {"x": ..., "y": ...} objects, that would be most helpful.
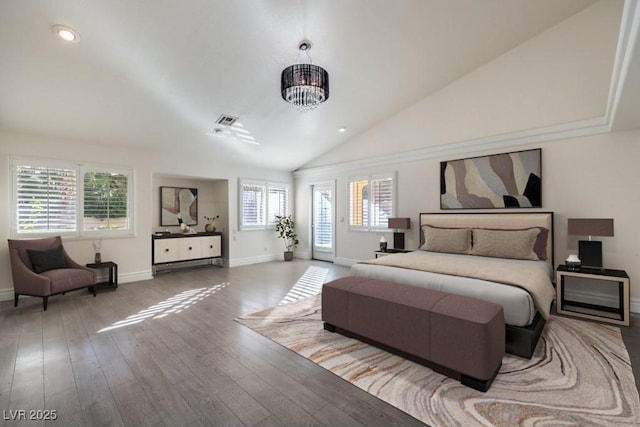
[
  {"x": 6, "y": 294},
  {"x": 347, "y": 262},
  {"x": 238, "y": 262},
  {"x": 136, "y": 276}
]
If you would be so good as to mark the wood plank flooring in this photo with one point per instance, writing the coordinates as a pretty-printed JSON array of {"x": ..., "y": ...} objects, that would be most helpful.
[{"x": 166, "y": 352}]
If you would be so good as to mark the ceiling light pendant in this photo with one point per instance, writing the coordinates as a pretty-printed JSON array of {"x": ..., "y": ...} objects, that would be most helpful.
[{"x": 305, "y": 85}]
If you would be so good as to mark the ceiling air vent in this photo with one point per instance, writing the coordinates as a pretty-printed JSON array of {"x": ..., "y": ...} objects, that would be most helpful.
[{"x": 226, "y": 120}]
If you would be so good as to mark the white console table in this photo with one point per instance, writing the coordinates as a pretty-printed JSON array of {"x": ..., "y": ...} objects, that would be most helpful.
[{"x": 176, "y": 247}]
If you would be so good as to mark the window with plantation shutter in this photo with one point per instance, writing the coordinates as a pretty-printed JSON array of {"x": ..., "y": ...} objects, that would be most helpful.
[
  {"x": 261, "y": 201},
  {"x": 105, "y": 201},
  {"x": 56, "y": 198},
  {"x": 277, "y": 202},
  {"x": 253, "y": 203},
  {"x": 371, "y": 202},
  {"x": 46, "y": 199}
]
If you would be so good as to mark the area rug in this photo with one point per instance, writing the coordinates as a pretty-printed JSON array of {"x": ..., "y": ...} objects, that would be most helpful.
[{"x": 580, "y": 374}]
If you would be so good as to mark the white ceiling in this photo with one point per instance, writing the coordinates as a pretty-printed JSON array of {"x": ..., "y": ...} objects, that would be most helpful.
[{"x": 158, "y": 73}]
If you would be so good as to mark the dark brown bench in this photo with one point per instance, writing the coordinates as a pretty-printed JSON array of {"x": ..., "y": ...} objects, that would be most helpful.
[{"x": 458, "y": 336}]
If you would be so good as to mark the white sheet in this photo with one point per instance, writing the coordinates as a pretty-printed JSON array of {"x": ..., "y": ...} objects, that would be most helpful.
[{"x": 519, "y": 309}]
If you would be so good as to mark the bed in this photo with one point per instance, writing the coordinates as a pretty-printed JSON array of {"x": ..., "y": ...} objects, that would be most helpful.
[{"x": 506, "y": 258}]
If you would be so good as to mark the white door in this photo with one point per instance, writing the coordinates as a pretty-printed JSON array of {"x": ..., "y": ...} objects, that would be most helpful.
[{"x": 323, "y": 233}]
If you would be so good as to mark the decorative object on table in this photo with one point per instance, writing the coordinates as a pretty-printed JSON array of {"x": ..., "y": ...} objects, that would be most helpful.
[
  {"x": 509, "y": 180},
  {"x": 178, "y": 205},
  {"x": 183, "y": 225},
  {"x": 285, "y": 227},
  {"x": 590, "y": 251},
  {"x": 209, "y": 227},
  {"x": 305, "y": 85},
  {"x": 383, "y": 243},
  {"x": 399, "y": 224},
  {"x": 573, "y": 262},
  {"x": 97, "y": 245}
]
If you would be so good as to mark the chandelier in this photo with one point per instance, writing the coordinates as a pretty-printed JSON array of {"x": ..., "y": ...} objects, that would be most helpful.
[{"x": 305, "y": 85}]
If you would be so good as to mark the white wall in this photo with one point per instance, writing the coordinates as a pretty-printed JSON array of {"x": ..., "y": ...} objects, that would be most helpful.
[
  {"x": 561, "y": 76},
  {"x": 133, "y": 255}
]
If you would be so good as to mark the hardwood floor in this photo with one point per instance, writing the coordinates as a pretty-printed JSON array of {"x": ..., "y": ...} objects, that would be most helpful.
[{"x": 166, "y": 352}]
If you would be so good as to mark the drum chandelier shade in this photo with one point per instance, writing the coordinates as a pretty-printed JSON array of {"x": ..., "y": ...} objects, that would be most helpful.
[{"x": 305, "y": 85}]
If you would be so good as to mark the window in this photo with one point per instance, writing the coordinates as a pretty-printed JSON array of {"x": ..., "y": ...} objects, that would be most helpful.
[
  {"x": 72, "y": 200},
  {"x": 260, "y": 202},
  {"x": 371, "y": 201},
  {"x": 106, "y": 199}
]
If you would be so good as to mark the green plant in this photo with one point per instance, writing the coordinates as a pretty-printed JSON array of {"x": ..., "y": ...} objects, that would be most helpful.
[{"x": 285, "y": 227}]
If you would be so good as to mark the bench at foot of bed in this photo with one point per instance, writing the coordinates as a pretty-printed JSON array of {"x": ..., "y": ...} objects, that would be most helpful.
[{"x": 461, "y": 337}]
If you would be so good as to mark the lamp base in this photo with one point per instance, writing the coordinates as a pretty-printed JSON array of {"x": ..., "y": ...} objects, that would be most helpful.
[
  {"x": 398, "y": 240},
  {"x": 590, "y": 253}
]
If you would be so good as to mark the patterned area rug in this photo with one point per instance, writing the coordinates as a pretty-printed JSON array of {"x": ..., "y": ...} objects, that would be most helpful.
[{"x": 580, "y": 374}]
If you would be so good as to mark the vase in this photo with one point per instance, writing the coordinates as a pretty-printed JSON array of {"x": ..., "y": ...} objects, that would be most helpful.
[
  {"x": 98, "y": 258},
  {"x": 288, "y": 255},
  {"x": 209, "y": 228}
]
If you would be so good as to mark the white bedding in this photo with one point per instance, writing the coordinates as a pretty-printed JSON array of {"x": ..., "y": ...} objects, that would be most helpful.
[{"x": 519, "y": 308}]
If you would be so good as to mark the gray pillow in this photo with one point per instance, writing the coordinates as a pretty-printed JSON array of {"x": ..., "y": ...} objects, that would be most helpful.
[
  {"x": 540, "y": 247},
  {"x": 516, "y": 244},
  {"x": 450, "y": 240},
  {"x": 51, "y": 259}
]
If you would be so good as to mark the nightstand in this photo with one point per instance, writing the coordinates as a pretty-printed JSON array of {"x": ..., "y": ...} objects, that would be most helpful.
[
  {"x": 379, "y": 254},
  {"x": 604, "y": 278}
]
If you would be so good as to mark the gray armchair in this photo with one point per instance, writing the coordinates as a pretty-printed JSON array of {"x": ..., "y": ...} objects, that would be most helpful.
[{"x": 42, "y": 268}]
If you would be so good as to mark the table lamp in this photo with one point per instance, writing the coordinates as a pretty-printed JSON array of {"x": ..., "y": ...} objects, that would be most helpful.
[
  {"x": 399, "y": 224},
  {"x": 590, "y": 251}
]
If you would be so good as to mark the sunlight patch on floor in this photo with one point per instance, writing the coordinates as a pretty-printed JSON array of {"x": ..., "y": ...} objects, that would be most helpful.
[
  {"x": 174, "y": 305},
  {"x": 309, "y": 284}
]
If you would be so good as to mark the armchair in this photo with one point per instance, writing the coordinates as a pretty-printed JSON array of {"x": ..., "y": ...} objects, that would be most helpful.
[{"x": 42, "y": 268}]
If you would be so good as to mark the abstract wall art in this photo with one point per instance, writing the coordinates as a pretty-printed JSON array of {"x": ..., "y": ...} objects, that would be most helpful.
[
  {"x": 178, "y": 205},
  {"x": 509, "y": 180}
]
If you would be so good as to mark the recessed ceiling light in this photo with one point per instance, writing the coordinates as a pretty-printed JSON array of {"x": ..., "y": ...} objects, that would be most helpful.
[
  {"x": 342, "y": 129},
  {"x": 66, "y": 33}
]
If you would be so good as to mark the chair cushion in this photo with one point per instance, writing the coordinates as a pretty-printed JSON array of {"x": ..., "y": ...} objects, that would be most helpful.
[
  {"x": 46, "y": 260},
  {"x": 67, "y": 279}
]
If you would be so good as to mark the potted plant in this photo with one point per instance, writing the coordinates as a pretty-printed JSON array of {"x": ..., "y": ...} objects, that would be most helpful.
[{"x": 285, "y": 227}]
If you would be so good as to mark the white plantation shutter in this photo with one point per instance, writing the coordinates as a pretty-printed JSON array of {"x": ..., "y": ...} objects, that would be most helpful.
[
  {"x": 359, "y": 203},
  {"x": 381, "y": 200},
  {"x": 260, "y": 202},
  {"x": 46, "y": 199},
  {"x": 371, "y": 202},
  {"x": 323, "y": 209},
  {"x": 253, "y": 204},
  {"x": 277, "y": 201}
]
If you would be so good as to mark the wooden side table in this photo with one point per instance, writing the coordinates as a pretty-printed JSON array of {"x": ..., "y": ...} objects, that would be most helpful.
[
  {"x": 113, "y": 274},
  {"x": 606, "y": 277}
]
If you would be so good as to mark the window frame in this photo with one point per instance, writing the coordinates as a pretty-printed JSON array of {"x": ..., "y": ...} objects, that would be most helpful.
[
  {"x": 368, "y": 227},
  {"x": 268, "y": 185},
  {"x": 81, "y": 169}
]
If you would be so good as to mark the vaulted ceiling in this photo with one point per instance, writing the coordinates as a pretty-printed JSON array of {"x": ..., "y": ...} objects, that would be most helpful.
[{"x": 157, "y": 74}]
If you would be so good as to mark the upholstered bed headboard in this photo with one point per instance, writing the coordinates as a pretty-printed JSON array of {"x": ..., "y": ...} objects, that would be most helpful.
[{"x": 502, "y": 221}]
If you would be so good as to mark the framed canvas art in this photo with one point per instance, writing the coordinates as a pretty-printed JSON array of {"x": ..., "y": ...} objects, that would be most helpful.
[
  {"x": 509, "y": 180},
  {"x": 178, "y": 205}
]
